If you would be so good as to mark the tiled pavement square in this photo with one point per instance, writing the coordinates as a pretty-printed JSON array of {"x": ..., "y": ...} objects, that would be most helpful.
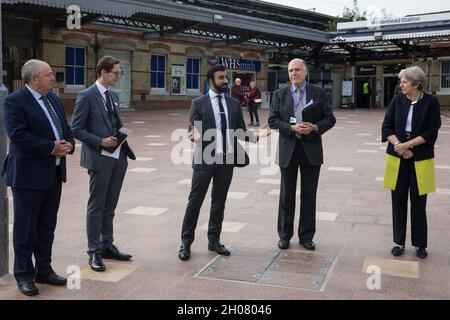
[
  {"x": 115, "y": 272},
  {"x": 146, "y": 211}
]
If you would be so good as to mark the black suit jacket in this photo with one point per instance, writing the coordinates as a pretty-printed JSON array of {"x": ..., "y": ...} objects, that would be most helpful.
[
  {"x": 201, "y": 115},
  {"x": 426, "y": 121},
  {"x": 30, "y": 164},
  {"x": 281, "y": 111}
]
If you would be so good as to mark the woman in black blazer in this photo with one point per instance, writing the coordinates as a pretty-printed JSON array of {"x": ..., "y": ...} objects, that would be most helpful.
[{"x": 411, "y": 126}]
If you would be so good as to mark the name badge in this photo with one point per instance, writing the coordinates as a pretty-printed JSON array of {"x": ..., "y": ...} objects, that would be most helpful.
[{"x": 293, "y": 120}]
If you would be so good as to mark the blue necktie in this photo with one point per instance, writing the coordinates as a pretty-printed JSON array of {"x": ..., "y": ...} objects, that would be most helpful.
[
  {"x": 53, "y": 116},
  {"x": 108, "y": 103},
  {"x": 223, "y": 124}
]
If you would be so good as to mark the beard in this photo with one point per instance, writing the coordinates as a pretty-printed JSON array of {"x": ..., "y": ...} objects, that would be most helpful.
[{"x": 221, "y": 88}]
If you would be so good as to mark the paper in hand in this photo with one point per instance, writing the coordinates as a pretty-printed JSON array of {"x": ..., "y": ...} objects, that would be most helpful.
[{"x": 121, "y": 136}]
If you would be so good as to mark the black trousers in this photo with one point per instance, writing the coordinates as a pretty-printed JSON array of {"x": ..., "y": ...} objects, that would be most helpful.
[
  {"x": 253, "y": 110},
  {"x": 309, "y": 177},
  {"x": 407, "y": 181},
  {"x": 35, "y": 216},
  {"x": 221, "y": 176}
]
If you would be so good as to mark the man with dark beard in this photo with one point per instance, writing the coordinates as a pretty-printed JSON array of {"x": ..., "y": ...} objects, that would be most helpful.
[{"x": 216, "y": 122}]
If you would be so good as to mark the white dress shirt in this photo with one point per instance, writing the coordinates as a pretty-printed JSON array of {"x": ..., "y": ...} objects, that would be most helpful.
[
  {"x": 216, "y": 110},
  {"x": 38, "y": 96},
  {"x": 102, "y": 90}
]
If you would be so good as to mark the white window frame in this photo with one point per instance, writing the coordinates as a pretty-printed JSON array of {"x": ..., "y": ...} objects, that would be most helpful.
[
  {"x": 159, "y": 91},
  {"x": 75, "y": 88},
  {"x": 443, "y": 91},
  {"x": 194, "y": 92}
]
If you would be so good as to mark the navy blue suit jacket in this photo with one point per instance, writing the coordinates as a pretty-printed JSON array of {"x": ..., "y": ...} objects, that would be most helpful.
[{"x": 29, "y": 163}]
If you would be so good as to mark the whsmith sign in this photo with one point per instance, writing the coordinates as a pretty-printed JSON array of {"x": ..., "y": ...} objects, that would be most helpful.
[
  {"x": 393, "y": 21},
  {"x": 236, "y": 64}
]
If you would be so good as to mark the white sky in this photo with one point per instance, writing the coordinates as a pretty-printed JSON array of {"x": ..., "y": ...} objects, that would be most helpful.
[{"x": 398, "y": 8}]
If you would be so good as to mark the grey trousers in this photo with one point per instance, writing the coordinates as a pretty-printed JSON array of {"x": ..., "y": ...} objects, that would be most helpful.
[{"x": 104, "y": 190}]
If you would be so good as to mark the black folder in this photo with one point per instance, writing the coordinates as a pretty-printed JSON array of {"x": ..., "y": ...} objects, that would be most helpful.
[
  {"x": 312, "y": 113},
  {"x": 120, "y": 138}
]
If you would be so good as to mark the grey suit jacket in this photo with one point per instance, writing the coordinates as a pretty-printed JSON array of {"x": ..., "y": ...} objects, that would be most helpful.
[
  {"x": 281, "y": 111},
  {"x": 91, "y": 123},
  {"x": 202, "y": 113}
]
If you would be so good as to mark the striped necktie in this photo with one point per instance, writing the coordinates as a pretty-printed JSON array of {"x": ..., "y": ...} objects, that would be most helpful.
[{"x": 53, "y": 116}]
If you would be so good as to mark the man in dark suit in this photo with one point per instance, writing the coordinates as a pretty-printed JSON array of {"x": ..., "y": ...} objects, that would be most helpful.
[
  {"x": 35, "y": 168},
  {"x": 96, "y": 120},
  {"x": 300, "y": 145},
  {"x": 216, "y": 124}
]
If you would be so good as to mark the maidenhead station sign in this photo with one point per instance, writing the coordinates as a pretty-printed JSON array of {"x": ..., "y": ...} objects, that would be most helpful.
[{"x": 236, "y": 64}]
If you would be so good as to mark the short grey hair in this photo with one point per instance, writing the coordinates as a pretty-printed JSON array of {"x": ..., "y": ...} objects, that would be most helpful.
[
  {"x": 31, "y": 68},
  {"x": 415, "y": 75},
  {"x": 301, "y": 61},
  {"x": 253, "y": 83}
]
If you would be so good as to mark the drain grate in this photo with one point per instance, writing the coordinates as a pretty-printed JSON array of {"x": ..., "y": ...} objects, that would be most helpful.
[{"x": 289, "y": 268}]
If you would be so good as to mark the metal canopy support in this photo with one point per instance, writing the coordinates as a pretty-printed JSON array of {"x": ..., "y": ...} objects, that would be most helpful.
[{"x": 4, "y": 224}]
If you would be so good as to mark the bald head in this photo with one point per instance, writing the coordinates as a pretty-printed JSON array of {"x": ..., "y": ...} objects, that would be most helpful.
[
  {"x": 237, "y": 81},
  {"x": 38, "y": 75},
  {"x": 297, "y": 72}
]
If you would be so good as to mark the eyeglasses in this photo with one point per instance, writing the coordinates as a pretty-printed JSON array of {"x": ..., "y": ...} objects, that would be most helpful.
[{"x": 116, "y": 73}]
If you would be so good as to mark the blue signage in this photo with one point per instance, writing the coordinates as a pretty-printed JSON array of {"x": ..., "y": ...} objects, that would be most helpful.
[{"x": 237, "y": 64}]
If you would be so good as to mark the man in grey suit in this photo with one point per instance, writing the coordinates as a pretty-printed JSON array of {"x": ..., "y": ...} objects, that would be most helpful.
[
  {"x": 300, "y": 145},
  {"x": 216, "y": 122},
  {"x": 96, "y": 120}
]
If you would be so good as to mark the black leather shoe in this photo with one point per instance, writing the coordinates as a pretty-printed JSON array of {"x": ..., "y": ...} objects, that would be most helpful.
[
  {"x": 283, "y": 244},
  {"x": 397, "y": 251},
  {"x": 28, "y": 287},
  {"x": 308, "y": 244},
  {"x": 52, "y": 279},
  {"x": 421, "y": 253},
  {"x": 185, "y": 252},
  {"x": 114, "y": 253},
  {"x": 218, "y": 248},
  {"x": 96, "y": 262}
]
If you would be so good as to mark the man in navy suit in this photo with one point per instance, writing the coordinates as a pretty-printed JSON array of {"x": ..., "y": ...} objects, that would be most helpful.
[{"x": 35, "y": 168}]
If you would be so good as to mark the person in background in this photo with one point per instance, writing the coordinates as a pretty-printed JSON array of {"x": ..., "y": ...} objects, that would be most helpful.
[
  {"x": 253, "y": 97},
  {"x": 237, "y": 92},
  {"x": 411, "y": 126}
]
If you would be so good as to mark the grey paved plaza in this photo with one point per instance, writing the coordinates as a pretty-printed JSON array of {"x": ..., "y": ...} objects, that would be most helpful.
[{"x": 354, "y": 227}]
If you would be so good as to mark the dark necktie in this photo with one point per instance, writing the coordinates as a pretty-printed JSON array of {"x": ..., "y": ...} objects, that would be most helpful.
[
  {"x": 108, "y": 103},
  {"x": 223, "y": 124},
  {"x": 53, "y": 116}
]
